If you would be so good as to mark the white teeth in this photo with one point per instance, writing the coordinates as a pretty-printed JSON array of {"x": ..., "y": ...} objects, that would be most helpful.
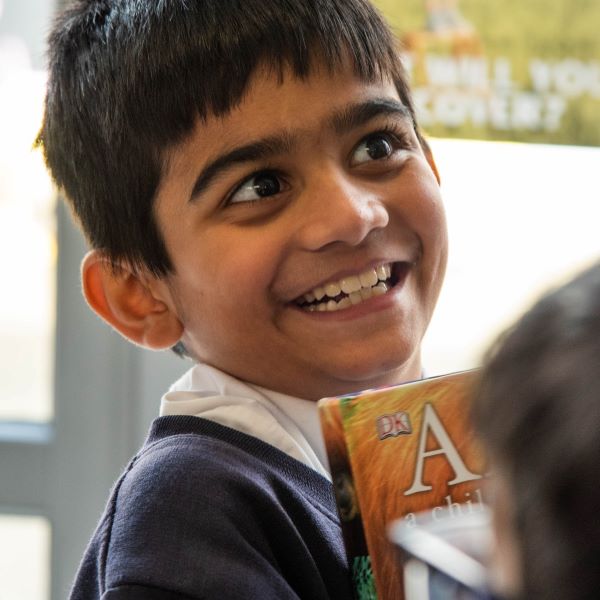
[
  {"x": 368, "y": 278},
  {"x": 350, "y": 284},
  {"x": 379, "y": 289},
  {"x": 358, "y": 288},
  {"x": 344, "y": 303},
  {"x": 366, "y": 293},
  {"x": 384, "y": 272},
  {"x": 333, "y": 290}
]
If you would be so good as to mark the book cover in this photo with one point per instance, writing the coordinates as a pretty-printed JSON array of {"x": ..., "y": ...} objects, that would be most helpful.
[{"x": 395, "y": 452}]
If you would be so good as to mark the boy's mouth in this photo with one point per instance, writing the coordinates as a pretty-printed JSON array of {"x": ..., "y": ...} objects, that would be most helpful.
[{"x": 352, "y": 290}]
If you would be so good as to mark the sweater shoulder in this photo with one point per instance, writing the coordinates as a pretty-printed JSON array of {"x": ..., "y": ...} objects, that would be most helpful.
[
  {"x": 201, "y": 502},
  {"x": 198, "y": 449}
]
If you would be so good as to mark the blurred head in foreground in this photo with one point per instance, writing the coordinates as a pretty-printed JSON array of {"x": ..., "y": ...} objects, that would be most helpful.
[{"x": 538, "y": 410}]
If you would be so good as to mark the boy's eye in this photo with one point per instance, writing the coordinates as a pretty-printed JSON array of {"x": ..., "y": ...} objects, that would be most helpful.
[
  {"x": 375, "y": 147},
  {"x": 259, "y": 185}
]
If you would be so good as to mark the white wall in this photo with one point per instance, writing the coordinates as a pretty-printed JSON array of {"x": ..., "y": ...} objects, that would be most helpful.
[{"x": 521, "y": 217}]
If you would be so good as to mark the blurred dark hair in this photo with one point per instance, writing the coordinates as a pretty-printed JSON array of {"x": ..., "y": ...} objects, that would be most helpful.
[
  {"x": 537, "y": 408},
  {"x": 128, "y": 79}
]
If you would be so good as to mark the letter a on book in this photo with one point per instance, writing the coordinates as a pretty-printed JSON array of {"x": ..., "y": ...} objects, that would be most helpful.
[{"x": 431, "y": 422}]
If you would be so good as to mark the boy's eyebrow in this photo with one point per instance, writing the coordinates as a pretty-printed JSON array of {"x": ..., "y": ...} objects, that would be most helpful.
[
  {"x": 348, "y": 118},
  {"x": 258, "y": 150},
  {"x": 355, "y": 115}
]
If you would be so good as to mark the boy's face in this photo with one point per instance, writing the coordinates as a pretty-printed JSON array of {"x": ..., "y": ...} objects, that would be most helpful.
[{"x": 305, "y": 187}]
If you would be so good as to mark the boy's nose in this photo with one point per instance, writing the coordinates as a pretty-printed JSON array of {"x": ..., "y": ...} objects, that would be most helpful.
[{"x": 340, "y": 210}]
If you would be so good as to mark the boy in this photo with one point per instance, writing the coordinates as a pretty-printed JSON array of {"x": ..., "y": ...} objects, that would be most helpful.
[
  {"x": 257, "y": 194},
  {"x": 538, "y": 410}
]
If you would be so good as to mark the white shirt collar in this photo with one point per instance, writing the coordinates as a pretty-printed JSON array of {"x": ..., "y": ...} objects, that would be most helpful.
[{"x": 290, "y": 424}]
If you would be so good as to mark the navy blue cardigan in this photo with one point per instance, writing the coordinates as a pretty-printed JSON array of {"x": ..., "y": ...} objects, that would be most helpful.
[{"x": 204, "y": 511}]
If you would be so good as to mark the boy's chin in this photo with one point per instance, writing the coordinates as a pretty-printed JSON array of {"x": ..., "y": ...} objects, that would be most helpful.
[{"x": 361, "y": 376}]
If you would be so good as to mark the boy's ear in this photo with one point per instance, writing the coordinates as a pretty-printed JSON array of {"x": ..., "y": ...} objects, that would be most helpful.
[{"x": 125, "y": 300}]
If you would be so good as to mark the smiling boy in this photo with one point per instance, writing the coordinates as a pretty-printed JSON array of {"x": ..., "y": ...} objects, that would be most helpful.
[
  {"x": 306, "y": 185},
  {"x": 255, "y": 190}
]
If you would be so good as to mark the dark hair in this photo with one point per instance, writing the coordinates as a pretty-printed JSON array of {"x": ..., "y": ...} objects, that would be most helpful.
[
  {"x": 538, "y": 410},
  {"x": 128, "y": 78}
]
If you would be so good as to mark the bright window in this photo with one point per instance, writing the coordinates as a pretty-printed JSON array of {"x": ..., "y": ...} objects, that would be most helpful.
[
  {"x": 521, "y": 217},
  {"x": 24, "y": 557},
  {"x": 27, "y": 241}
]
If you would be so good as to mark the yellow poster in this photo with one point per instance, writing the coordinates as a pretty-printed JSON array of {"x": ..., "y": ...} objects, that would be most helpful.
[{"x": 503, "y": 69}]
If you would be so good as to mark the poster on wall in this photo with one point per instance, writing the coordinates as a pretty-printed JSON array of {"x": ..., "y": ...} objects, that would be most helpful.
[{"x": 503, "y": 69}]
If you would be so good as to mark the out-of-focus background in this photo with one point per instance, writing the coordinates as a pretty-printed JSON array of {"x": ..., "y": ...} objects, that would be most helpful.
[{"x": 509, "y": 93}]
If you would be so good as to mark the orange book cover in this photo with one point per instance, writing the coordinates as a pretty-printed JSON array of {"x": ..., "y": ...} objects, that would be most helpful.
[{"x": 393, "y": 453}]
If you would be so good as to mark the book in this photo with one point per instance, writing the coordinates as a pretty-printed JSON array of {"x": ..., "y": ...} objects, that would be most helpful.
[{"x": 394, "y": 453}]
